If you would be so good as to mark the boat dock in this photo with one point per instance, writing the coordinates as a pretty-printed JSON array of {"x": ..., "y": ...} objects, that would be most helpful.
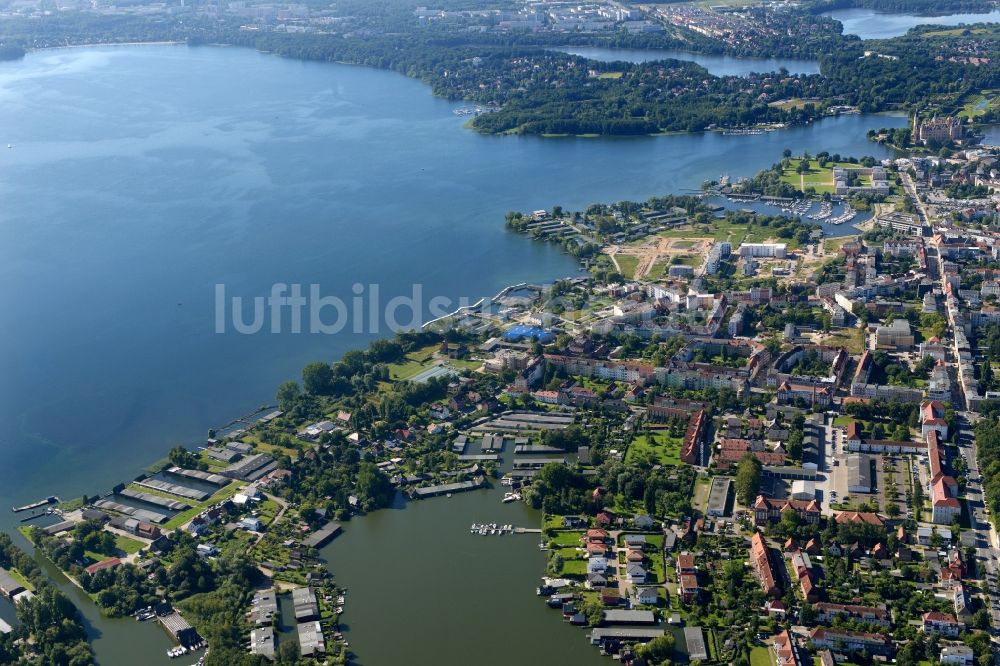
[
  {"x": 479, "y": 457},
  {"x": 150, "y": 516},
  {"x": 51, "y": 499},
  {"x": 180, "y": 491},
  {"x": 444, "y": 488},
  {"x": 500, "y": 530},
  {"x": 158, "y": 500},
  {"x": 207, "y": 477}
]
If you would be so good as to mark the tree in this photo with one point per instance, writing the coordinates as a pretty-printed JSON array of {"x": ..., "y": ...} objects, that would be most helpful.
[
  {"x": 317, "y": 378},
  {"x": 981, "y": 619},
  {"x": 658, "y": 650},
  {"x": 373, "y": 487},
  {"x": 748, "y": 474},
  {"x": 288, "y": 393}
]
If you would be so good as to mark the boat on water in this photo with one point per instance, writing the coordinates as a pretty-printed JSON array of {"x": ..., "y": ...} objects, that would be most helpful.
[{"x": 511, "y": 497}]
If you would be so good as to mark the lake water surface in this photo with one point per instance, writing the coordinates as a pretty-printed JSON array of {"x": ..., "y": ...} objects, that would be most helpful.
[
  {"x": 719, "y": 65},
  {"x": 871, "y": 24},
  {"x": 139, "y": 178}
]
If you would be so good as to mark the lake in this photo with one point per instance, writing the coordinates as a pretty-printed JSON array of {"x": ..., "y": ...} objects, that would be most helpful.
[
  {"x": 719, "y": 65},
  {"x": 139, "y": 178},
  {"x": 871, "y": 24}
]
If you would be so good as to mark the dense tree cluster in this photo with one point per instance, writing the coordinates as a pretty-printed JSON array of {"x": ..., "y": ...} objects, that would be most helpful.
[{"x": 49, "y": 620}]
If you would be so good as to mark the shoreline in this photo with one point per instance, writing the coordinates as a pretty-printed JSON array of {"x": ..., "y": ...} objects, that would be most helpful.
[{"x": 766, "y": 128}]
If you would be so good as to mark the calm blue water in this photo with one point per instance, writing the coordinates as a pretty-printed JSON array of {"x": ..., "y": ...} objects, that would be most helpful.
[
  {"x": 717, "y": 65},
  {"x": 141, "y": 177},
  {"x": 870, "y": 24}
]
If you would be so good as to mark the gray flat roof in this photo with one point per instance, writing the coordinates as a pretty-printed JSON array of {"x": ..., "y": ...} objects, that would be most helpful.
[
  {"x": 718, "y": 496},
  {"x": 615, "y": 616},
  {"x": 634, "y": 633},
  {"x": 694, "y": 639}
]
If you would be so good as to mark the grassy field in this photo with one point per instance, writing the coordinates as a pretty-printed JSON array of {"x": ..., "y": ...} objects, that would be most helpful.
[
  {"x": 792, "y": 103},
  {"x": 658, "y": 269},
  {"x": 664, "y": 448},
  {"x": 627, "y": 265},
  {"x": 574, "y": 568},
  {"x": 957, "y": 32},
  {"x": 610, "y": 75},
  {"x": 19, "y": 577},
  {"x": 851, "y": 339},
  {"x": 734, "y": 233},
  {"x": 820, "y": 178},
  {"x": 128, "y": 545},
  {"x": 978, "y": 104},
  {"x": 415, "y": 364},
  {"x": 760, "y": 656}
]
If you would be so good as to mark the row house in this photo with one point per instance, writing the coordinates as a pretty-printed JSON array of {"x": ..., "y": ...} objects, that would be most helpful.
[
  {"x": 826, "y": 613},
  {"x": 839, "y": 640},
  {"x": 760, "y": 559}
]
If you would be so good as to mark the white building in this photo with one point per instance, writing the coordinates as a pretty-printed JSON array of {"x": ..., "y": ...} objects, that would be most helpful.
[{"x": 769, "y": 250}]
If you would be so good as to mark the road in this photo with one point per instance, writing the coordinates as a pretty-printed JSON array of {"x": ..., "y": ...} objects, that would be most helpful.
[
  {"x": 911, "y": 191},
  {"x": 986, "y": 537}
]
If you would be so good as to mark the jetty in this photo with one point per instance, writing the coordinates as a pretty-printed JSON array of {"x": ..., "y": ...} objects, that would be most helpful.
[
  {"x": 484, "y": 529},
  {"x": 158, "y": 500},
  {"x": 206, "y": 477},
  {"x": 479, "y": 457},
  {"x": 173, "y": 489},
  {"x": 51, "y": 499}
]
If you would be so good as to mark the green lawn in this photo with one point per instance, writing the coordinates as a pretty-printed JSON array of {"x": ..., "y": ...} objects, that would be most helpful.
[
  {"x": 566, "y": 539},
  {"x": 19, "y": 577},
  {"x": 574, "y": 568},
  {"x": 978, "y": 104},
  {"x": 627, "y": 264},
  {"x": 734, "y": 233},
  {"x": 760, "y": 656},
  {"x": 664, "y": 448},
  {"x": 128, "y": 545},
  {"x": 658, "y": 269},
  {"x": 416, "y": 362},
  {"x": 820, "y": 178}
]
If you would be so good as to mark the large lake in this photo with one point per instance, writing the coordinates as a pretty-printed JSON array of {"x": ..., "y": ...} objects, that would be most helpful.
[
  {"x": 871, "y": 24},
  {"x": 138, "y": 178},
  {"x": 719, "y": 65}
]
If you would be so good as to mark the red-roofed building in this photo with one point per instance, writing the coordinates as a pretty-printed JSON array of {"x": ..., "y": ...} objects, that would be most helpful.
[
  {"x": 768, "y": 510},
  {"x": 760, "y": 558},
  {"x": 940, "y": 623},
  {"x": 109, "y": 563},
  {"x": 932, "y": 418},
  {"x": 843, "y": 517},
  {"x": 946, "y": 508}
]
